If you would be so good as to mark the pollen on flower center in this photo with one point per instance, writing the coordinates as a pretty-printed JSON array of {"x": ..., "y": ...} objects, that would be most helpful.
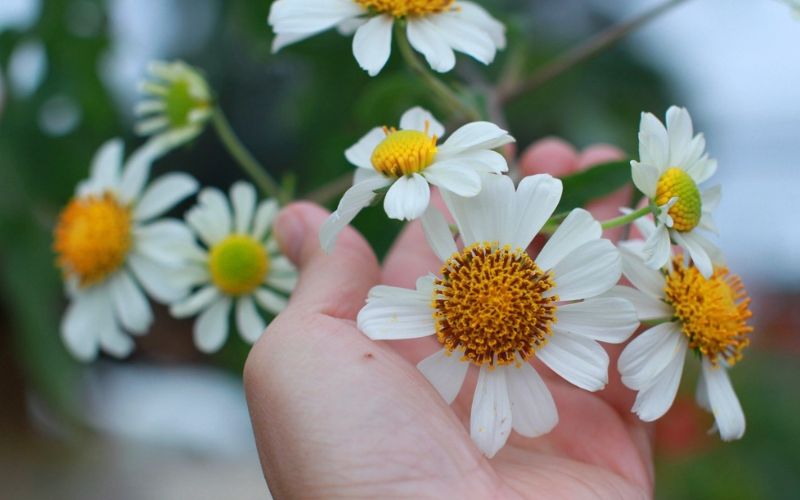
[
  {"x": 713, "y": 312},
  {"x": 687, "y": 211},
  {"x": 403, "y": 8},
  {"x": 93, "y": 237},
  {"x": 490, "y": 303},
  {"x": 404, "y": 152},
  {"x": 238, "y": 264}
]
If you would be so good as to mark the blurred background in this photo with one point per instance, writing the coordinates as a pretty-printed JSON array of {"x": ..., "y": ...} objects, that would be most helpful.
[{"x": 172, "y": 423}]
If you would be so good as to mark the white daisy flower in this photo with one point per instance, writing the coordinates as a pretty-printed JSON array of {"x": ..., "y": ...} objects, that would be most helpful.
[
  {"x": 496, "y": 308},
  {"x": 693, "y": 313},
  {"x": 672, "y": 162},
  {"x": 110, "y": 246},
  {"x": 434, "y": 28},
  {"x": 238, "y": 267},
  {"x": 407, "y": 160},
  {"x": 177, "y": 105}
]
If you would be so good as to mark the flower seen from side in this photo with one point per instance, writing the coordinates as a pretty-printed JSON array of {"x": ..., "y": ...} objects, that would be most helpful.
[
  {"x": 111, "y": 248},
  {"x": 494, "y": 307},
  {"x": 435, "y": 28},
  {"x": 407, "y": 160},
  {"x": 672, "y": 164},
  {"x": 236, "y": 266}
]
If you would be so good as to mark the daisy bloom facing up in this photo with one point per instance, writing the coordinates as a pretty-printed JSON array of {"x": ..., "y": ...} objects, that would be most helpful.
[
  {"x": 496, "y": 308},
  {"x": 407, "y": 160},
  {"x": 177, "y": 105},
  {"x": 109, "y": 246},
  {"x": 435, "y": 28},
  {"x": 239, "y": 266},
  {"x": 672, "y": 162},
  {"x": 693, "y": 313}
]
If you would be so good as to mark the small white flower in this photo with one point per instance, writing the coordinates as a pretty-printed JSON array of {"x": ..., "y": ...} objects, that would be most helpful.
[
  {"x": 238, "y": 266},
  {"x": 177, "y": 104},
  {"x": 407, "y": 160},
  {"x": 496, "y": 308},
  {"x": 672, "y": 162},
  {"x": 435, "y": 28},
  {"x": 705, "y": 315},
  {"x": 110, "y": 246}
]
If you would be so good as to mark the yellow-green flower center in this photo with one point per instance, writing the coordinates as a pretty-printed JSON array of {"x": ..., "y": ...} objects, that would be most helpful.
[
  {"x": 180, "y": 103},
  {"x": 687, "y": 211},
  {"x": 238, "y": 264},
  {"x": 404, "y": 152},
  {"x": 93, "y": 237},
  {"x": 403, "y": 8}
]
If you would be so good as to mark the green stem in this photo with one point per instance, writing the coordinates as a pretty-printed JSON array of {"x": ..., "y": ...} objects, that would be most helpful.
[
  {"x": 245, "y": 159},
  {"x": 627, "y": 218},
  {"x": 441, "y": 89}
]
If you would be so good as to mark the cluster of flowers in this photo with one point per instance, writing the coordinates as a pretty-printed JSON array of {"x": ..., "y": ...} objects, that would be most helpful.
[{"x": 493, "y": 304}]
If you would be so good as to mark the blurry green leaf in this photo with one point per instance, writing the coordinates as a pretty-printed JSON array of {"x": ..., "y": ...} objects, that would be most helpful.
[{"x": 594, "y": 183}]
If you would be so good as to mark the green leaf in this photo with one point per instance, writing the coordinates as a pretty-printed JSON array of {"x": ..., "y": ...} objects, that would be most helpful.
[{"x": 594, "y": 183}]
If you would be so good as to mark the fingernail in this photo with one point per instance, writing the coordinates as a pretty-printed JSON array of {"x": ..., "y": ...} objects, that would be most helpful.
[{"x": 289, "y": 230}]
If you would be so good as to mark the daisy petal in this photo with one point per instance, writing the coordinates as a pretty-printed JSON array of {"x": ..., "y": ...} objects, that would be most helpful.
[
  {"x": 484, "y": 160},
  {"x": 647, "y": 307},
  {"x": 159, "y": 282},
  {"x": 249, "y": 323},
  {"x": 723, "y": 401},
  {"x": 408, "y": 198},
  {"x": 533, "y": 411},
  {"x": 360, "y": 153},
  {"x": 646, "y": 279},
  {"x": 426, "y": 38},
  {"x": 490, "y": 419},
  {"x": 395, "y": 313},
  {"x": 649, "y": 354},
  {"x": 163, "y": 194},
  {"x": 311, "y": 16},
  {"x": 106, "y": 166},
  {"x": 356, "y": 198},
  {"x": 270, "y": 300},
  {"x": 606, "y": 319},
  {"x": 372, "y": 44},
  {"x": 645, "y": 178},
  {"x": 657, "y": 248},
  {"x": 477, "y": 217},
  {"x": 580, "y": 361},
  {"x": 476, "y": 15},
  {"x": 588, "y": 271},
  {"x": 243, "y": 197},
  {"x": 653, "y": 145},
  {"x": 195, "y": 303},
  {"x": 475, "y": 136},
  {"x": 450, "y": 175},
  {"x": 680, "y": 132},
  {"x": 655, "y": 400},
  {"x": 421, "y": 119},
  {"x": 697, "y": 251},
  {"x": 534, "y": 202},
  {"x": 79, "y": 327},
  {"x": 445, "y": 371},
  {"x": 577, "y": 229},
  {"x": 211, "y": 327},
  {"x": 465, "y": 37},
  {"x": 115, "y": 342},
  {"x": 165, "y": 241},
  {"x": 265, "y": 215},
  {"x": 130, "y": 304},
  {"x": 437, "y": 233},
  {"x": 137, "y": 170}
]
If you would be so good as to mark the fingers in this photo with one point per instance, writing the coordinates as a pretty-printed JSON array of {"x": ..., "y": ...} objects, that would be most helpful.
[
  {"x": 608, "y": 207},
  {"x": 335, "y": 284},
  {"x": 550, "y": 155}
]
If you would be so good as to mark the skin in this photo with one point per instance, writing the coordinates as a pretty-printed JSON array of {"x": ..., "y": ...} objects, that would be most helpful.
[{"x": 337, "y": 415}]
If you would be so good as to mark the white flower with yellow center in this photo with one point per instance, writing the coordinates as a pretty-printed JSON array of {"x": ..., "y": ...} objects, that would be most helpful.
[
  {"x": 497, "y": 308},
  {"x": 693, "y": 313},
  {"x": 177, "y": 104},
  {"x": 239, "y": 266},
  {"x": 435, "y": 28},
  {"x": 110, "y": 246},
  {"x": 409, "y": 159},
  {"x": 672, "y": 162}
]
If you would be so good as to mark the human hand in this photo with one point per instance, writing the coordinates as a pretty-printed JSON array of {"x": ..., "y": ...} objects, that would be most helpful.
[{"x": 336, "y": 414}]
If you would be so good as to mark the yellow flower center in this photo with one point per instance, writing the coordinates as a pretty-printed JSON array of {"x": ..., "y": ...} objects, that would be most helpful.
[
  {"x": 403, "y": 8},
  {"x": 238, "y": 264},
  {"x": 713, "y": 312},
  {"x": 404, "y": 152},
  {"x": 92, "y": 237},
  {"x": 490, "y": 303},
  {"x": 687, "y": 211}
]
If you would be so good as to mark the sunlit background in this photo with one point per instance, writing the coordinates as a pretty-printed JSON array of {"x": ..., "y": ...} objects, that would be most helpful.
[{"x": 171, "y": 423}]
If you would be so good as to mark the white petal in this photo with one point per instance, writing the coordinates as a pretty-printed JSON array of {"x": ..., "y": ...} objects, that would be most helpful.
[
  {"x": 79, "y": 328},
  {"x": 680, "y": 132},
  {"x": 265, "y": 215},
  {"x": 164, "y": 241},
  {"x": 311, "y": 16},
  {"x": 356, "y": 198},
  {"x": 691, "y": 243},
  {"x": 579, "y": 360},
  {"x": 137, "y": 170},
  {"x": 362, "y": 174},
  {"x": 437, "y": 233},
  {"x": 249, "y": 323},
  {"x": 606, "y": 319},
  {"x": 702, "y": 169},
  {"x": 464, "y": 37},
  {"x": 589, "y": 270},
  {"x": 211, "y": 217},
  {"x": 243, "y": 197},
  {"x": 649, "y": 354},
  {"x": 453, "y": 177},
  {"x": 211, "y": 327},
  {"x": 270, "y": 300},
  {"x": 490, "y": 418},
  {"x": 534, "y": 202},
  {"x": 533, "y": 411},
  {"x": 647, "y": 307},
  {"x": 395, "y": 313},
  {"x": 577, "y": 229},
  {"x": 281, "y": 40},
  {"x": 653, "y": 144},
  {"x": 408, "y": 198},
  {"x": 163, "y": 194},
  {"x": 195, "y": 303},
  {"x": 160, "y": 282},
  {"x": 106, "y": 166},
  {"x": 475, "y": 14},
  {"x": 479, "y": 219},
  {"x": 421, "y": 119},
  {"x": 644, "y": 278},
  {"x": 446, "y": 372},
  {"x": 645, "y": 178},
  {"x": 657, "y": 248},
  {"x": 281, "y": 282},
  {"x": 372, "y": 43},
  {"x": 115, "y": 342},
  {"x": 427, "y": 39},
  {"x": 130, "y": 304},
  {"x": 474, "y": 136},
  {"x": 723, "y": 401},
  {"x": 482, "y": 160},
  {"x": 654, "y": 401},
  {"x": 360, "y": 153}
]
